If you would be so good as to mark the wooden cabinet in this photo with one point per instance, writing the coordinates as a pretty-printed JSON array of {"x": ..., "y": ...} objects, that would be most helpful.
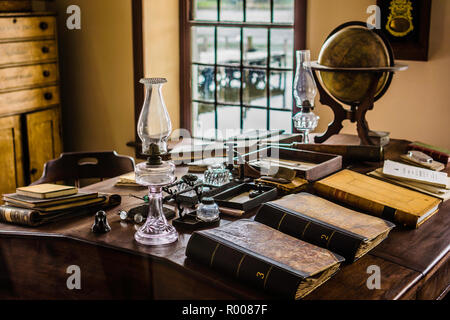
[
  {"x": 44, "y": 139},
  {"x": 11, "y": 164},
  {"x": 30, "y": 116}
]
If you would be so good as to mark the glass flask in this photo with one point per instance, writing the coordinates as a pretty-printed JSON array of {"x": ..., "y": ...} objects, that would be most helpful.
[
  {"x": 305, "y": 91},
  {"x": 217, "y": 175},
  {"x": 208, "y": 210},
  {"x": 154, "y": 128}
]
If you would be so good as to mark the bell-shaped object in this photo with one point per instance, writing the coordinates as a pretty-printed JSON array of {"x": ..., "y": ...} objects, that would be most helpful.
[
  {"x": 154, "y": 125},
  {"x": 100, "y": 223}
]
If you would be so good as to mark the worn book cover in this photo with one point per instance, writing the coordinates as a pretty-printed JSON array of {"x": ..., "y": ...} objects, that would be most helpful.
[
  {"x": 326, "y": 224},
  {"x": 30, "y": 202},
  {"x": 264, "y": 257},
  {"x": 46, "y": 191},
  {"x": 388, "y": 201},
  {"x": 34, "y": 218}
]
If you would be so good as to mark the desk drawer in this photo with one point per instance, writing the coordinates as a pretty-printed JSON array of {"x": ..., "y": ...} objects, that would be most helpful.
[
  {"x": 28, "y": 100},
  {"x": 20, "y": 77},
  {"x": 27, "y": 52},
  {"x": 27, "y": 27}
]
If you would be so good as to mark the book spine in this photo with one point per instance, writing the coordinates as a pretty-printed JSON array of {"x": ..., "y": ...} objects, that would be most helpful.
[
  {"x": 304, "y": 228},
  {"x": 436, "y": 155},
  {"x": 242, "y": 265},
  {"x": 16, "y": 216},
  {"x": 368, "y": 206}
]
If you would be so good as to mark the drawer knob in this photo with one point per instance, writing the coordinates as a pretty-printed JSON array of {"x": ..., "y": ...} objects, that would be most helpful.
[
  {"x": 33, "y": 171},
  {"x": 45, "y": 49},
  {"x": 48, "y": 96},
  {"x": 43, "y": 25},
  {"x": 46, "y": 73}
]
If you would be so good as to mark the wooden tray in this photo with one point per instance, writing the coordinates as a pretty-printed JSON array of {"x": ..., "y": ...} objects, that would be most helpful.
[
  {"x": 237, "y": 197},
  {"x": 314, "y": 165}
]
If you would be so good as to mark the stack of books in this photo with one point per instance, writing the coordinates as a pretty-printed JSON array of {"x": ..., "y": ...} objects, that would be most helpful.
[
  {"x": 39, "y": 204},
  {"x": 436, "y": 184}
]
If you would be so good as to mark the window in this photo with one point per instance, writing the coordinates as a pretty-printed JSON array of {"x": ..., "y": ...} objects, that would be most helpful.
[{"x": 238, "y": 57}]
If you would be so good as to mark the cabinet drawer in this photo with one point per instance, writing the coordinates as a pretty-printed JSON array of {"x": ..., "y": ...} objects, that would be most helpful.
[
  {"x": 28, "y": 100},
  {"x": 27, "y": 27},
  {"x": 20, "y": 77},
  {"x": 27, "y": 52}
]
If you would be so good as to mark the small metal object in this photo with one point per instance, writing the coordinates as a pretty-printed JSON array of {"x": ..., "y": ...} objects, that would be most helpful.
[
  {"x": 420, "y": 156},
  {"x": 138, "y": 218},
  {"x": 100, "y": 223},
  {"x": 123, "y": 215},
  {"x": 259, "y": 191}
]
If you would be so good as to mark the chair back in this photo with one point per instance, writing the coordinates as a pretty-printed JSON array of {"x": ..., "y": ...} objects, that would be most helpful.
[{"x": 74, "y": 166}]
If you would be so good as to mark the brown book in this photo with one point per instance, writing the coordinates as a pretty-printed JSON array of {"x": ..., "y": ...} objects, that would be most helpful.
[
  {"x": 379, "y": 198},
  {"x": 325, "y": 224},
  {"x": 29, "y": 202},
  {"x": 46, "y": 191},
  {"x": 64, "y": 206},
  {"x": 264, "y": 257},
  {"x": 34, "y": 218}
]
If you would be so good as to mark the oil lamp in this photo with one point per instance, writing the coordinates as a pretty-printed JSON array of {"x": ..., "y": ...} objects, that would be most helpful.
[
  {"x": 154, "y": 128},
  {"x": 305, "y": 91}
]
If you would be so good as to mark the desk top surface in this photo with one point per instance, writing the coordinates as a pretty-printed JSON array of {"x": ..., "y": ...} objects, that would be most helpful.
[{"x": 404, "y": 258}]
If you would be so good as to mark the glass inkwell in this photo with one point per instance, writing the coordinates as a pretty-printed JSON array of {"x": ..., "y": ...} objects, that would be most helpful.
[
  {"x": 305, "y": 91},
  {"x": 154, "y": 128}
]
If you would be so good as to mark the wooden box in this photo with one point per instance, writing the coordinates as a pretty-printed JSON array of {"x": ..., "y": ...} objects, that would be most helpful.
[{"x": 309, "y": 165}]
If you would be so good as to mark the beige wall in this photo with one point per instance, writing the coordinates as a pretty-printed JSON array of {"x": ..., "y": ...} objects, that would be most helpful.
[
  {"x": 161, "y": 50},
  {"x": 97, "y": 74},
  {"x": 417, "y": 105}
]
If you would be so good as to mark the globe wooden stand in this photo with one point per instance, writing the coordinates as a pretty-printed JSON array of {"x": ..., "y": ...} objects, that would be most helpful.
[{"x": 357, "y": 112}]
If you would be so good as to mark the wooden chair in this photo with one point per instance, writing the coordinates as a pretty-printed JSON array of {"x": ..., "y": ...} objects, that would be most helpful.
[{"x": 74, "y": 166}]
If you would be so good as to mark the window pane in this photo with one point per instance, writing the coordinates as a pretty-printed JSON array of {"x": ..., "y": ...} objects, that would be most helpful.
[
  {"x": 203, "y": 44},
  {"x": 255, "y": 87},
  {"x": 255, "y": 44},
  {"x": 283, "y": 11},
  {"x": 255, "y": 118},
  {"x": 258, "y": 10},
  {"x": 281, "y": 120},
  {"x": 205, "y": 10},
  {"x": 228, "y": 85},
  {"x": 228, "y": 121},
  {"x": 203, "y": 83},
  {"x": 231, "y": 10},
  {"x": 281, "y": 89},
  {"x": 203, "y": 120},
  {"x": 228, "y": 46},
  {"x": 282, "y": 48}
]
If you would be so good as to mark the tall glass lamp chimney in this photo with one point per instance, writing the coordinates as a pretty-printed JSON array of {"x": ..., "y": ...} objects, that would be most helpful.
[
  {"x": 154, "y": 128},
  {"x": 305, "y": 91}
]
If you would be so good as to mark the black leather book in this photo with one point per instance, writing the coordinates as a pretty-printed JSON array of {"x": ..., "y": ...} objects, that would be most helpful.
[
  {"x": 264, "y": 257},
  {"x": 326, "y": 224}
]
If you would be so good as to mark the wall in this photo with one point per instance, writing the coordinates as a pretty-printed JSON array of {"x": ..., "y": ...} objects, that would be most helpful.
[
  {"x": 161, "y": 50},
  {"x": 96, "y": 65},
  {"x": 416, "y": 107},
  {"x": 97, "y": 79}
]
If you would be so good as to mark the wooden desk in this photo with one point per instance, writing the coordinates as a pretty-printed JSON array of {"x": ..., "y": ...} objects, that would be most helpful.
[{"x": 414, "y": 264}]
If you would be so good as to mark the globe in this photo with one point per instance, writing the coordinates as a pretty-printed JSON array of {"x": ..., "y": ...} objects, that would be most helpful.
[{"x": 353, "y": 47}]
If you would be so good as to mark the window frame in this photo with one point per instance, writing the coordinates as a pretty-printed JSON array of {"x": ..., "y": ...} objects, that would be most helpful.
[{"x": 186, "y": 22}]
